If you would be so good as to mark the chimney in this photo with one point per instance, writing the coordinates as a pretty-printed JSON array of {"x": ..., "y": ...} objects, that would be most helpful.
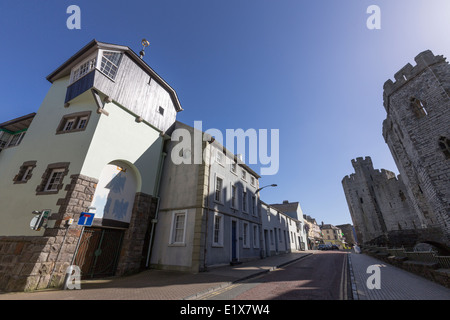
[{"x": 285, "y": 201}]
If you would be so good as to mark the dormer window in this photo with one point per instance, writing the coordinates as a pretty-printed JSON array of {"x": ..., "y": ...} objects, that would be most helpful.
[{"x": 110, "y": 63}]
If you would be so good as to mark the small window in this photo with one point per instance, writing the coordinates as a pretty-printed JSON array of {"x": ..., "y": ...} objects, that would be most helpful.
[
  {"x": 254, "y": 205},
  {"x": 4, "y": 139},
  {"x": 218, "y": 193},
  {"x": 244, "y": 175},
  {"x": 52, "y": 179},
  {"x": 16, "y": 139},
  {"x": 252, "y": 180},
  {"x": 255, "y": 236},
  {"x": 83, "y": 69},
  {"x": 444, "y": 144},
  {"x": 219, "y": 157},
  {"x": 418, "y": 107},
  {"x": 218, "y": 230},
  {"x": 161, "y": 110},
  {"x": 74, "y": 122},
  {"x": 110, "y": 63},
  {"x": 233, "y": 197},
  {"x": 233, "y": 167},
  {"x": 245, "y": 235},
  {"x": 69, "y": 125},
  {"x": 179, "y": 222},
  {"x": 25, "y": 172},
  {"x": 82, "y": 122},
  {"x": 244, "y": 201}
]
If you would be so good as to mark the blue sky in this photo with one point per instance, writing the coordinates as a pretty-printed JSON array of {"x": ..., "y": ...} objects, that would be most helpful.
[{"x": 311, "y": 69}]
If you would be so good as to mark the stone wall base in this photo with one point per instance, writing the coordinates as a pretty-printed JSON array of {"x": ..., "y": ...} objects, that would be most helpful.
[{"x": 430, "y": 271}]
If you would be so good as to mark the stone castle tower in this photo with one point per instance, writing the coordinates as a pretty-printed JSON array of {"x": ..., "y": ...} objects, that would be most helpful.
[
  {"x": 417, "y": 131},
  {"x": 378, "y": 202}
]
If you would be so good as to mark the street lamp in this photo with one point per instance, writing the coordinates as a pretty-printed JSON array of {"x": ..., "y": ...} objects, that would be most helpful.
[{"x": 270, "y": 185}]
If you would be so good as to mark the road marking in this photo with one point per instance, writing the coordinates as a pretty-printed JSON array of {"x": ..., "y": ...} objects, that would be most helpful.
[{"x": 217, "y": 292}]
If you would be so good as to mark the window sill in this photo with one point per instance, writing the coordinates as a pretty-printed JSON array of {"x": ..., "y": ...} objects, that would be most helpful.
[
  {"x": 177, "y": 244},
  {"x": 41, "y": 193}
]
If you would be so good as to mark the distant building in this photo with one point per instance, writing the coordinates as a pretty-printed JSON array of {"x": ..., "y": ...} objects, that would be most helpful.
[
  {"x": 294, "y": 210},
  {"x": 332, "y": 235},
  {"x": 314, "y": 233},
  {"x": 281, "y": 232}
]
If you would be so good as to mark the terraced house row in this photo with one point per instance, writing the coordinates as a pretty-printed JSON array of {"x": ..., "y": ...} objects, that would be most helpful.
[{"x": 88, "y": 180}]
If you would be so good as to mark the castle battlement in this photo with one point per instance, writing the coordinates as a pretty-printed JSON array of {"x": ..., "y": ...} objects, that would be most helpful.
[
  {"x": 423, "y": 61},
  {"x": 360, "y": 161}
]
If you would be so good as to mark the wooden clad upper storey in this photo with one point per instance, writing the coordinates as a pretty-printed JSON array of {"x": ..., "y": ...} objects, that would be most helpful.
[{"x": 119, "y": 74}]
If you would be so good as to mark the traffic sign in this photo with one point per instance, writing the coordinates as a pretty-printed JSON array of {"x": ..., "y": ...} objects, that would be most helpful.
[{"x": 86, "y": 219}]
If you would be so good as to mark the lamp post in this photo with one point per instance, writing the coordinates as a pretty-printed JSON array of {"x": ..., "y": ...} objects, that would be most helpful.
[{"x": 270, "y": 185}]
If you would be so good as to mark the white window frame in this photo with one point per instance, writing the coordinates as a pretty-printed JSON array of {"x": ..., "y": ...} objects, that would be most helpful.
[
  {"x": 70, "y": 121},
  {"x": 245, "y": 235},
  {"x": 244, "y": 200},
  {"x": 80, "y": 121},
  {"x": 217, "y": 234},
  {"x": 26, "y": 173},
  {"x": 255, "y": 236},
  {"x": 244, "y": 175},
  {"x": 220, "y": 192},
  {"x": 234, "y": 196},
  {"x": 219, "y": 157},
  {"x": 103, "y": 70},
  {"x": 15, "y": 139},
  {"x": 254, "y": 205},
  {"x": 233, "y": 165},
  {"x": 50, "y": 186},
  {"x": 174, "y": 229},
  {"x": 89, "y": 63}
]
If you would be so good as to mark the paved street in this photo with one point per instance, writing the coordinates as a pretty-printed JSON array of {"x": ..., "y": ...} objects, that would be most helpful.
[
  {"x": 322, "y": 276},
  {"x": 310, "y": 275}
]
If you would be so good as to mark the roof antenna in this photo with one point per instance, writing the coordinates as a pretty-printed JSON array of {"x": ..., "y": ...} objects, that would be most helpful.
[{"x": 145, "y": 44}]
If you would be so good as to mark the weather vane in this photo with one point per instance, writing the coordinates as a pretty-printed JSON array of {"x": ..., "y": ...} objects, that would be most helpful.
[{"x": 145, "y": 44}]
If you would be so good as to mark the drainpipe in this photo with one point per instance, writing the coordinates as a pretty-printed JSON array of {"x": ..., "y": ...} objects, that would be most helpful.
[{"x": 156, "y": 192}]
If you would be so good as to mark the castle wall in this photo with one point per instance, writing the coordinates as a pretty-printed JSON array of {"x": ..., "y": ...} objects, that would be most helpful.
[
  {"x": 418, "y": 115},
  {"x": 378, "y": 201}
]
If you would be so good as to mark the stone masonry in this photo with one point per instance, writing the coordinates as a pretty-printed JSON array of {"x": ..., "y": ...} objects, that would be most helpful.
[
  {"x": 378, "y": 201},
  {"x": 417, "y": 132},
  {"x": 35, "y": 262}
]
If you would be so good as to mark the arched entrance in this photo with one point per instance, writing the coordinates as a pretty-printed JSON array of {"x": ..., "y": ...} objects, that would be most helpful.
[{"x": 99, "y": 246}]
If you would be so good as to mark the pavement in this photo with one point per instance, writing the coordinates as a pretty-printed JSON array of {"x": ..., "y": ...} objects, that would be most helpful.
[
  {"x": 162, "y": 284},
  {"x": 394, "y": 283}
]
